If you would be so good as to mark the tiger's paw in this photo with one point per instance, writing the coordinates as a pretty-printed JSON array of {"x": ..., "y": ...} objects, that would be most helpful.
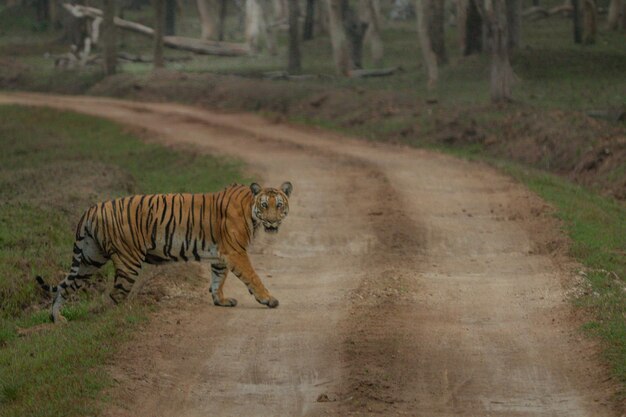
[
  {"x": 271, "y": 302},
  {"x": 226, "y": 302}
]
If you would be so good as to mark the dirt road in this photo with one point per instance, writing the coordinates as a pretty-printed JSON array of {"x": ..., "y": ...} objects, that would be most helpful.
[{"x": 410, "y": 283}]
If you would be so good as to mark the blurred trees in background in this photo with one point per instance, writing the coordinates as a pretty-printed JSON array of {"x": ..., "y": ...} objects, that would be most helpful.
[
  {"x": 159, "y": 30},
  {"x": 482, "y": 26},
  {"x": 109, "y": 37}
]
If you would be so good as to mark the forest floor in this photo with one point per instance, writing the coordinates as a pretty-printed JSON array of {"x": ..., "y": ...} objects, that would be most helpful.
[{"x": 411, "y": 283}]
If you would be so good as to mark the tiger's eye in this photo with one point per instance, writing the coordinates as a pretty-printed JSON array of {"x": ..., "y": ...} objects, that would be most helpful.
[{"x": 264, "y": 204}]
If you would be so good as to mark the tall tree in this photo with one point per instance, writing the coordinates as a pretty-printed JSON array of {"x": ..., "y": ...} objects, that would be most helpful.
[
  {"x": 309, "y": 20},
  {"x": 159, "y": 28},
  {"x": 294, "y": 65},
  {"x": 109, "y": 37},
  {"x": 590, "y": 21},
  {"x": 615, "y": 8},
  {"x": 436, "y": 20},
  {"x": 260, "y": 25},
  {"x": 321, "y": 11},
  {"x": 470, "y": 27},
  {"x": 355, "y": 30},
  {"x": 170, "y": 17},
  {"x": 207, "y": 9},
  {"x": 339, "y": 40},
  {"x": 222, "y": 20},
  {"x": 474, "y": 29},
  {"x": 502, "y": 76},
  {"x": 576, "y": 20},
  {"x": 423, "y": 10},
  {"x": 514, "y": 22},
  {"x": 374, "y": 23}
]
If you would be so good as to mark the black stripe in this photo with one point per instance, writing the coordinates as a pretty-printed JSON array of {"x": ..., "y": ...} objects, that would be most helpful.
[
  {"x": 182, "y": 252},
  {"x": 195, "y": 250}
]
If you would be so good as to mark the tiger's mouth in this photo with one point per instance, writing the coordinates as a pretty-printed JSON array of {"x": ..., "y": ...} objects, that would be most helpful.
[{"x": 271, "y": 228}]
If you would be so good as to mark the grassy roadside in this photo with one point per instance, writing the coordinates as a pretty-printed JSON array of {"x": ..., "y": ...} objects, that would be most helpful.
[
  {"x": 54, "y": 165},
  {"x": 596, "y": 226}
]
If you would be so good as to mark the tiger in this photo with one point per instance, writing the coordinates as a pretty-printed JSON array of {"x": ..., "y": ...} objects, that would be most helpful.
[{"x": 157, "y": 228}]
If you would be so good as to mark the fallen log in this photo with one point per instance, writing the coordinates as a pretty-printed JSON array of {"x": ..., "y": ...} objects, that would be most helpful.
[
  {"x": 284, "y": 75},
  {"x": 198, "y": 46},
  {"x": 613, "y": 114},
  {"x": 380, "y": 72},
  {"x": 125, "y": 56},
  {"x": 535, "y": 12},
  {"x": 538, "y": 12},
  {"x": 564, "y": 10}
]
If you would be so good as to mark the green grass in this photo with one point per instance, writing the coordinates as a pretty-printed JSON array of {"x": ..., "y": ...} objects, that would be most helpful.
[
  {"x": 54, "y": 165},
  {"x": 596, "y": 226}
]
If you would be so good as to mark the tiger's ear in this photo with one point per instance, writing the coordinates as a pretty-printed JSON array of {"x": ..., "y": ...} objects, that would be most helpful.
[
  {"x": 286, "y": 188},
  {"x": 256, "y": 188}
]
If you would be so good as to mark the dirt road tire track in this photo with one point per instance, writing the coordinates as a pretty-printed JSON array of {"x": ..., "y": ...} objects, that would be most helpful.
[{"x": 411, "y": 283}]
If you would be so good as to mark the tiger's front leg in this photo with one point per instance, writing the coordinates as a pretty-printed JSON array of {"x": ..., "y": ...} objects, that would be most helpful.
[
  {"x": 218, "y": 277},
  {"x": 240, "y": 265}
]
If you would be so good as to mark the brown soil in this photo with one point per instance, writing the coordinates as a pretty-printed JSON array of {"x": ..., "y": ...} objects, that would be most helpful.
[
  {"x": 411, "y": 283},
  {"x": 589, "y": 151}
]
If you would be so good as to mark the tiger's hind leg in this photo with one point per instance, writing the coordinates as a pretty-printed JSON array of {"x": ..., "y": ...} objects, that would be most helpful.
[
  {"x": 88, "y": 258},
  {"x": 126, "y": 272},
  {"x": 218, "y": 277}
]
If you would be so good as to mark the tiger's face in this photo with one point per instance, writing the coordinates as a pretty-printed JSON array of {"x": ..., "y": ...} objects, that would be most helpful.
[{"x": 271, "y": 205}]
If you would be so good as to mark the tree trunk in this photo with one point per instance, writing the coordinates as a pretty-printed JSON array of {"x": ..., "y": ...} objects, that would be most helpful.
[
  {"x": 280, "y": 8},
  {"x": 270, "y": 15},
  {"x": 339, "y": 40},
  {"x": 373, "y": 31},
  {"x": 253, "y": 25},
  {"x": 55, "y": 19},
  {"x": 355, "y": 31},
  {"x": 461, "y": 23},
  {"x": 614, "y": 13},
  {"x": 208, "y": 12},
  {"x": 321, "y": 22},
  {"x": 294, "y": 65},
  {"x": 436, "y": 18},
  {"x": 159, "y": 27},
  {"x": 514, "y": 22},
  {"x": 474, "y": 29},
  {"x": 109, "y": 37},
  {"x": 576, "y": 20},
  {"x": 260, "y": 25},
  {"x": 222, "y": 20},
  {"x": 590, "y": 21},
  {"x": 422, "y": 11},
  {"x": 170, "y": 17},
  {"x": 309, "y": 20},
  {"x": 502, "y": 76}
]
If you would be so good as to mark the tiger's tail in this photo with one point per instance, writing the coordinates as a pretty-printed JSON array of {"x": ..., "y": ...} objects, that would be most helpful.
[{"x": 44, "y": 285}]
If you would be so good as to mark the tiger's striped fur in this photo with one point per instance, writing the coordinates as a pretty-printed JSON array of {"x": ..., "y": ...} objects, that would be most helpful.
[{"x": 159, "y": 228}]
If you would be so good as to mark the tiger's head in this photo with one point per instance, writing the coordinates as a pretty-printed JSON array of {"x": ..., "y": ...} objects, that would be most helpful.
[{"x": 271, "y": 205}]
